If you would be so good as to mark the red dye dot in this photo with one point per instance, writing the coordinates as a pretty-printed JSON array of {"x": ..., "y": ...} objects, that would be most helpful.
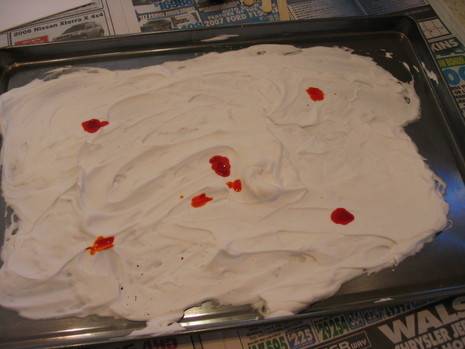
[
  {"x": 200, "y": 200},
  {"x": 342, "y": 216},
  {"x": 100, "y": 244},
  {"x": 93, "y": 125},
  {"x": 315, "y": 94},
  {"x": 220, "y": 164},
  {"x": 235, "y": 185}
]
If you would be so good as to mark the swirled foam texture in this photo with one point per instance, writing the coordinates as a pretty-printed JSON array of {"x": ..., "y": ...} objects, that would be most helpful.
[{"x": 274, "y": 241}]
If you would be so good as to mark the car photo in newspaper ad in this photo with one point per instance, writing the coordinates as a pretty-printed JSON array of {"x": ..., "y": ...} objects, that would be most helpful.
[{"x": 86, "y": 26}]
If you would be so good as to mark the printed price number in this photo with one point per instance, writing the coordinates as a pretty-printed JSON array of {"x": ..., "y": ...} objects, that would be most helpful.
[
  {"x": 393, "y": 310},
  {"x": 332, "y": 327},
  {"x": 372, "y": 315},
  {"x": 356, "y": 341},
  {"x": 300, "y": 337},
  {"x": 271, "y": 343}
]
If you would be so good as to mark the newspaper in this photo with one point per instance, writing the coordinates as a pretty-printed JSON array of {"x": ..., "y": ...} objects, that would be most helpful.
[
  {"x": 112, "y": 17},
  {"x": 381, "y": 327},
  {"x": 187, "y": 14},
  {"x": 101, "y": 18},
  {"x": 155, "y": 15},
  {"x": 450, "y": 56},
  {"x": 438, "y": 324}
]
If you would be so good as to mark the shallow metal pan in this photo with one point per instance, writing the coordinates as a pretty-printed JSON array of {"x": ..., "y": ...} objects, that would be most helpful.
[{"x": 438, "y": 270}]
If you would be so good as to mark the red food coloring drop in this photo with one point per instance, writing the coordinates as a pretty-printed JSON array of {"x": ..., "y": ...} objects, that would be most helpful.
[
  {"x": 220, "y": 164},
  {"x": 315, "y": 94},
  {"x": 235, "y": 185},
  {"x": 200, "y": 200},
  {"x": 100, "y": 244},
  {"x": 342, "y": 216},
  {"x": 93, "y": 125}
]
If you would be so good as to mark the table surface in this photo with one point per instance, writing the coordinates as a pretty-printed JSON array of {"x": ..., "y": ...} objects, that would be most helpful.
[{"x": 458, "y": 8}]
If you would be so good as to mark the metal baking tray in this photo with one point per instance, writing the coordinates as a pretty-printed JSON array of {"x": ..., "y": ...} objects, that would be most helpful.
[{"x": 438, "y": 270}]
